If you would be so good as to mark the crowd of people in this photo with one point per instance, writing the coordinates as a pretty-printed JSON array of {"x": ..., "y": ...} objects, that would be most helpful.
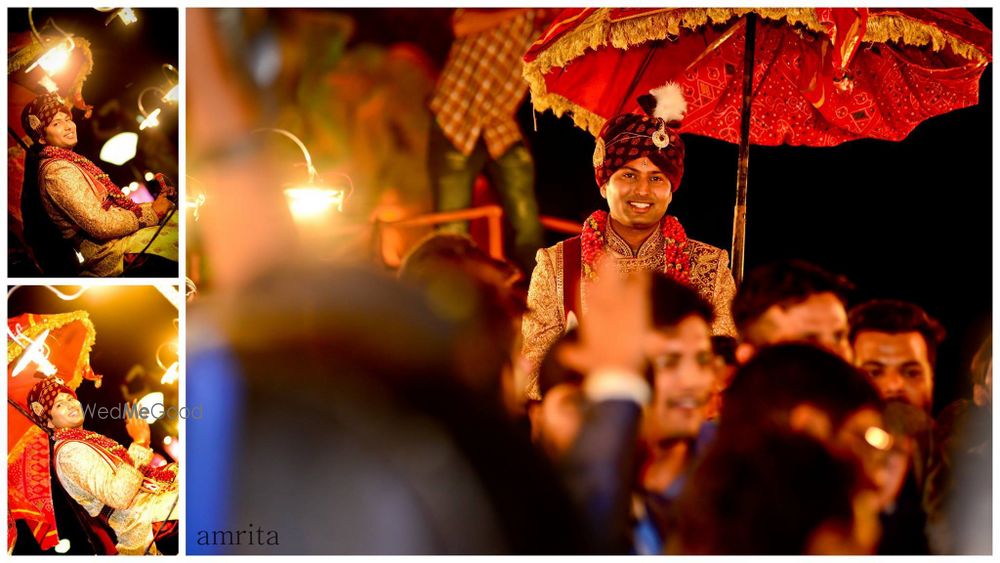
[{"x": 618, "y": 394}]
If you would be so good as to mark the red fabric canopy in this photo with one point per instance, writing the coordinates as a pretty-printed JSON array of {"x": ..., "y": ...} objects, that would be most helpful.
[{"x": 821, "y": 76}]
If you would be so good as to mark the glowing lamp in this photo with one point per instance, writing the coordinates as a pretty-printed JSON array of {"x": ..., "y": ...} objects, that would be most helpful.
[
  {"x": 878, "y": 438},
  {"x": 149, "y": 176},
  {"x": 171, "y": 96},
  {"x": 150, "y": 120},
  {"x": 148, "y": 402},
  {"x": 35, "y": 354},
  {"x": 120, "y": 149},
  {"x": 195, "y": 203},
  {"x": 171, "y": 375},
  {"x": 54, "y": 59},
  {"x": 311, "y": 203},
  {"x": 127, "y": 16},
  {"x": 63, "y": 546}
]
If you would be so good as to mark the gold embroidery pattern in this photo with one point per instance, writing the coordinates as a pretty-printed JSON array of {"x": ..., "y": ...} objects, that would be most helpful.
[{"x": 545, "y": 320}]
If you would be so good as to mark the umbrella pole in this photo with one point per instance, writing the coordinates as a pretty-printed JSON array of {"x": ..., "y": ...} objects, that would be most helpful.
[{"x": 740, "y": 213}]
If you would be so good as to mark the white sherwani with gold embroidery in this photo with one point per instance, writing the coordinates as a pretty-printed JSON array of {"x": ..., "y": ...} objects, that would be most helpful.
[
  {"x": 545, "y": 320},
  {"x": 96, "y": 479}
]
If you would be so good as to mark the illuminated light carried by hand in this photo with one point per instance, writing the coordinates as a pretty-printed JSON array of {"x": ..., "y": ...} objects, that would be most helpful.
[
  {"x": 171, "y": 375},
  {"x": 172, "y": 371},
  {"x": 150, "y": 120},
  {"x": 120, "y": 149},
  {"x": 878, "y": 438},
  {"x": 172, "y": 95},
  {"x": 172, "y": 87},
  {"x": 63, "y": 546},
  {"x": 127, "y": 15},
  {"x": 195, "y": 203},
  {"x": 311, "y": 202},
  {"x": 56, "y": 57},
  {"x": 36, "y": 354},
  {"x": 148, "y": 402}
]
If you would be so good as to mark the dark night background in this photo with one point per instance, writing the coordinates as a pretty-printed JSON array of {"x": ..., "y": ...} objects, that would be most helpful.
[
  {"x": 127, "y": 59},
  {"x": 909, "y": 220}
]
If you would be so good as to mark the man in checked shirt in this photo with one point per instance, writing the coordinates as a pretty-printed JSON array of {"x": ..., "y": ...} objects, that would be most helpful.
[{"x": 474, "y": 129}]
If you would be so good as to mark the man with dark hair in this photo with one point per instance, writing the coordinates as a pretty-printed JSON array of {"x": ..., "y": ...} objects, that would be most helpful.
[
  {"x": 683, "y": 368},
  {"x": 776, "y": 494},
  {"x": 464, "y": 284},
  {"x": 805, "y": 389},
  {"x": 674, "y": 342},
  {"x": 896, "y": 343},
  {"x": 792, "y": 301}
]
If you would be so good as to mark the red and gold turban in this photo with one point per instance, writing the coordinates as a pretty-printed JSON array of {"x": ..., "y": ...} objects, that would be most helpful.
[
  {"x": 43, "y": 395},
  {"x": 654, "y": 135},
  {"x": 37, "y": 115}
]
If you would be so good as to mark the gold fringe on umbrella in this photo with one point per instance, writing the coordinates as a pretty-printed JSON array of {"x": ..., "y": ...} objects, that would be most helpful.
[{"x": 883, "y": 28}]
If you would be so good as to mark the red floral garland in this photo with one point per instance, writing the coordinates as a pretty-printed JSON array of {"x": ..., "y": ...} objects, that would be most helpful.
[
  {"x": 676, "y": 261},
  {"x": 164, "y": 475},
  {"x": 115, "y": 195}
]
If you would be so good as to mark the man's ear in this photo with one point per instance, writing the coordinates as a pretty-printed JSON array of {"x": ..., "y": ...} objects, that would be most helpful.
[{"x": 810, "y": 420}]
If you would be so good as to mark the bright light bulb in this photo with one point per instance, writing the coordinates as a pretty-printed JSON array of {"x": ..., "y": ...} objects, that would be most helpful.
[
  {"x": 878, "y": 438},
  {"x": 133, "y": 187},
  {"x": 63, "y": 546},
  {"x": 171, "y": 96},
  {"x": 151, "y": 120},
  {"x": 35, "y": 354},
  {"x": 149, "y": 176},
  {"x": 195, "y": 204},
  {"x": 171, "y": 375},
  {"x": 310, "y": 204},
  {"x": 54, "y": 59},
  {"x": 149, "y": 401},
  {"x": 127, "y": 16},
  {"x": 120, "y": 149}
]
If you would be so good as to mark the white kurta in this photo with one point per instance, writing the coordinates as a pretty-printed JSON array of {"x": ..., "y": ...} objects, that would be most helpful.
[{"x": 95, "y": 478}]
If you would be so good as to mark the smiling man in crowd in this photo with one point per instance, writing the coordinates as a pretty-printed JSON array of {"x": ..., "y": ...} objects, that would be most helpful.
[
  {"x": 638, "y": 165},
  {"x": 792, "y": 301}
]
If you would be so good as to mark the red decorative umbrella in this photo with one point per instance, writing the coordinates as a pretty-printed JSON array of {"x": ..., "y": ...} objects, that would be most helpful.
[
  {"x": 37, "y": 345},
  {"x": 812, "y": 76}
]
